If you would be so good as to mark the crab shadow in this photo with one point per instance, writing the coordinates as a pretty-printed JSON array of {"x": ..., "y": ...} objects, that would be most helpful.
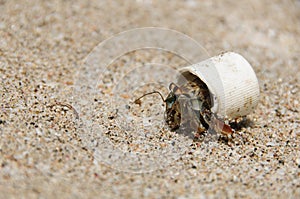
[{"x": 243, "y": 123}]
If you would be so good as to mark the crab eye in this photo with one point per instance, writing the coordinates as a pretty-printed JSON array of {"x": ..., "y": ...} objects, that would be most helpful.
[{"x": 170, "y": 100}]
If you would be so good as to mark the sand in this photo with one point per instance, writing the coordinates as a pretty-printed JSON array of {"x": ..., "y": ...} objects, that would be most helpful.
[{"x": 52, "y": 144}]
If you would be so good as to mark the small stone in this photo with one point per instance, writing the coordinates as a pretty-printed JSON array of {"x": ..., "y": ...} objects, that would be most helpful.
[{"x": 271, "y": 144}]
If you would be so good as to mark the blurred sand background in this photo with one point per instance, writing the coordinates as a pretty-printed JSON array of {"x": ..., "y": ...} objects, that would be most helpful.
[{"x": 42, "y": 44}]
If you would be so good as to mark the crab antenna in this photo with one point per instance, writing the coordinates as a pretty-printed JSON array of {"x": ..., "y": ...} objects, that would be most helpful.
[{"x": 137, "y": 100}]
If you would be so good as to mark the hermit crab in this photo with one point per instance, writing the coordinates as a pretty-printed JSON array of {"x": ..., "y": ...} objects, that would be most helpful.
[{"x": 207, "y": 94}]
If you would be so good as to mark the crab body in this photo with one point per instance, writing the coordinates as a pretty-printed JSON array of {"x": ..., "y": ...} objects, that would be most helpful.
[{"x": 189, "y": 106}]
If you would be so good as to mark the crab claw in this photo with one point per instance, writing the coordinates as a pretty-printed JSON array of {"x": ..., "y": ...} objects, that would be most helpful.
[{"x": 219, "y": 126}]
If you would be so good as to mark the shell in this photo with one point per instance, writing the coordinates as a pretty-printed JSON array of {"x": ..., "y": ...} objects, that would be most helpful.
[{"x": 231, "y": 81}]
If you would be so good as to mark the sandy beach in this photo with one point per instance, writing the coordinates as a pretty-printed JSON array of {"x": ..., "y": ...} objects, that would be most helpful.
[{"x": 64, "y": 127}]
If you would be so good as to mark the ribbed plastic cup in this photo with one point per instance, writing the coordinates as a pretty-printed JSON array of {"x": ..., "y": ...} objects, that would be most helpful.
[{"x": 231, "y": 81}]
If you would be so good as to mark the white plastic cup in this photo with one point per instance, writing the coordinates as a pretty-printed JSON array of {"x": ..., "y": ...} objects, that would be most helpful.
[{"x": 231, "y": 81}]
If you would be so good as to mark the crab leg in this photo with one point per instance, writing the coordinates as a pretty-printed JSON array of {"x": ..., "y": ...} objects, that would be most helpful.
[{"x": 216, "y": 124}]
